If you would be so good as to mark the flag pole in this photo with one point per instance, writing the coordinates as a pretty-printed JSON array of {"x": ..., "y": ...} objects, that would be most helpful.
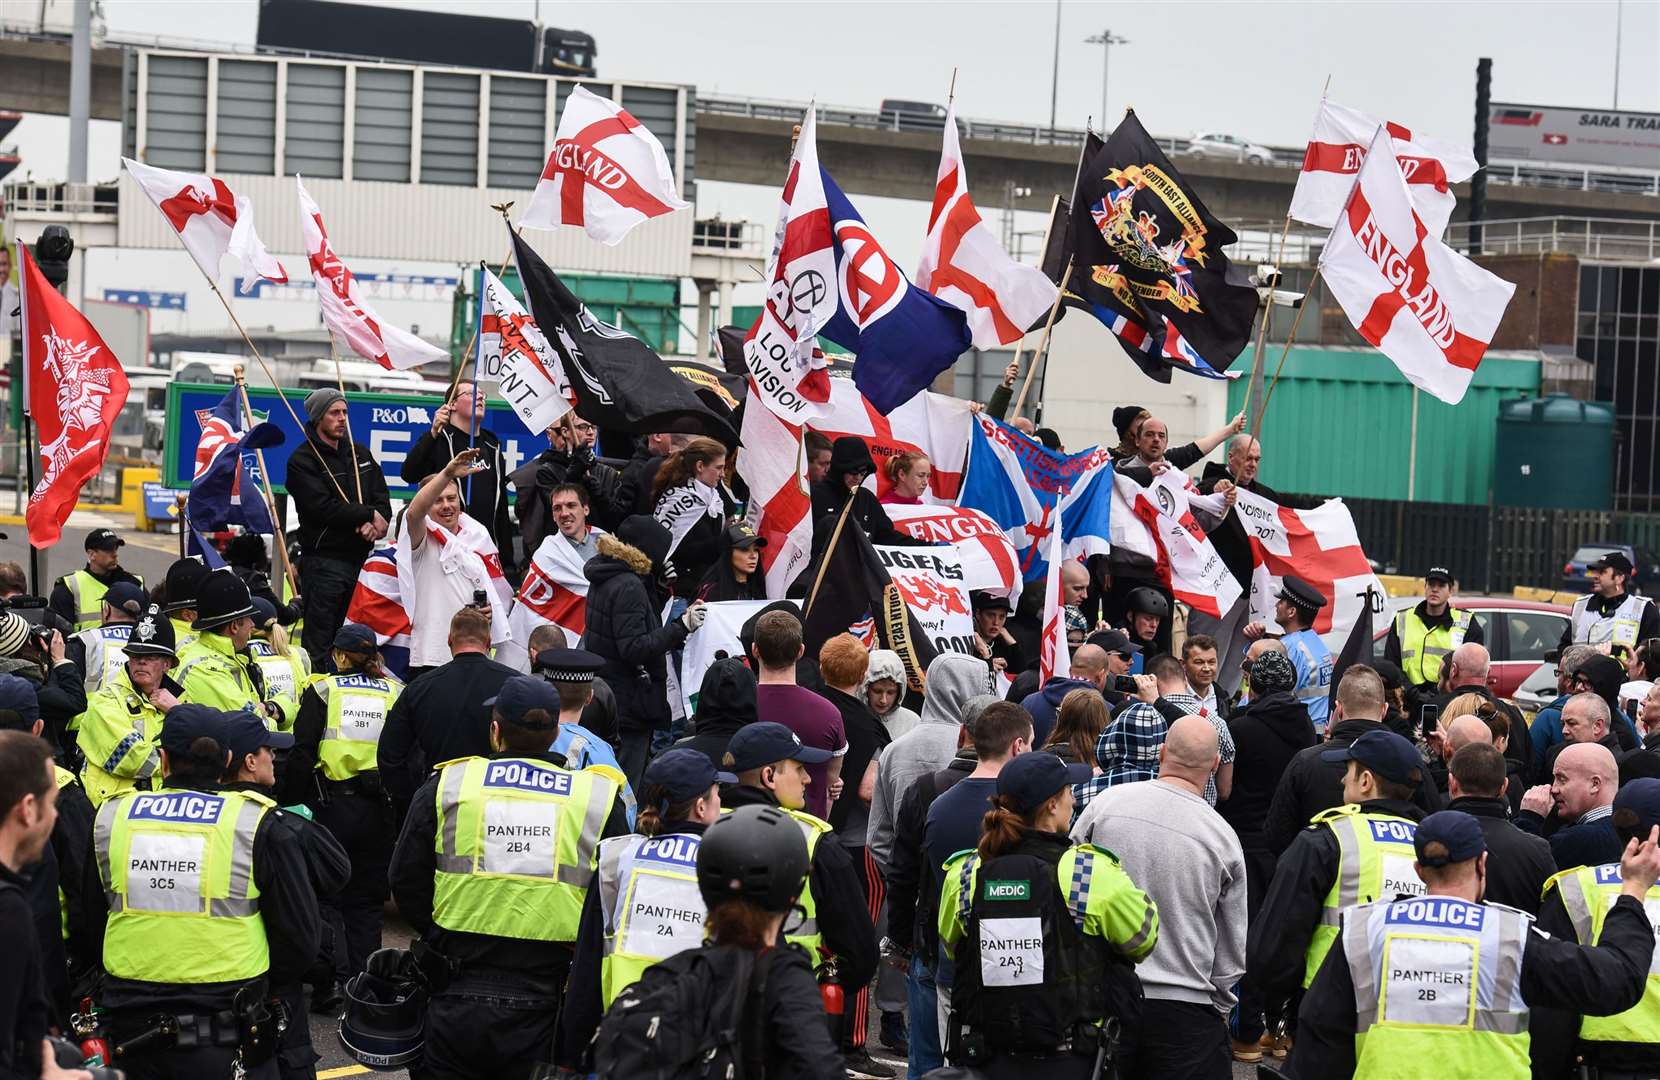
[
  {"x": 1043, "y": 342},
  {"x": 1253, "y": 398},
  {"x": 1289, "y": 339},
  {"x": 502, "y": 209},
  {"x": 182, "y": 504},
  {"x": 824, "y": 559},
  {"x": 33, "y": 452},
  {"x": 340, "y": 381},
  {"x": 214, "y": 285},
  {"x": 279, "y": 544}
]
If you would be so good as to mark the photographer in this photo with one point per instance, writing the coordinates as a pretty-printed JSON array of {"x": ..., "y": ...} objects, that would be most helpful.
[{"x": 37, "y": 654}]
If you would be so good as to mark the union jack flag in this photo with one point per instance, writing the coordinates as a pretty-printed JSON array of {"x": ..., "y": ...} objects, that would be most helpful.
[{"x": 225, "y": 483}]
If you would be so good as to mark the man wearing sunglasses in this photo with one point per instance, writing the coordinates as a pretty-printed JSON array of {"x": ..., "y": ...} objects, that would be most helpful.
[{"x": 1610, "y": 617}]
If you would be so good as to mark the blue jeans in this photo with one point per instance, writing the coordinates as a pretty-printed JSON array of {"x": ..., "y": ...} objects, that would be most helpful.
[{"x": 923, "y": 1005}]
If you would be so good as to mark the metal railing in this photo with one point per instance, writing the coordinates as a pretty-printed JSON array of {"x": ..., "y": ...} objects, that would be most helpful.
[
  {"x": 713, "y": 236},
  {"x": 35, "y": 197},
  {"x": 1612, "y": 239}
]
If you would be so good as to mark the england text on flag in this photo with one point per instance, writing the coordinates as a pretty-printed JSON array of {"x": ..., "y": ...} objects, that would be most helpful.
[
  {"x": 345, "y": 311},
  {"x": 532, "y": 377},
  {"x": 1426, "y": 307},
  {"x": 212, "y": 221},
  {"x": 606, "y": 173},
  {"x": 963, "y": 263},
  {"x": 1341, "y": 134}
]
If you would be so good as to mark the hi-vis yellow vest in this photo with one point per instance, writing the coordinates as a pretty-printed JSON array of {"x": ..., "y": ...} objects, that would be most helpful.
[
  {"x": 1423, "y": 650},
  {"x": 87, "y": 592},
  {"x": 1588, "y": 892},
  {"x": 651, "y": 904},
  {"x": 357, "y": 708},
  {"x": 1375, "y": 857},
  {"x": 807, "y": 934}
]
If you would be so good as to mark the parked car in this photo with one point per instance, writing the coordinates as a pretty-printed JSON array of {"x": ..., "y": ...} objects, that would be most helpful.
[
  {"x": 1229, "y": 148},
  {"x": 1645, "y": 566},
  {"x": 1518, "y": 633},
  {"x": 899, "y": 115},
  {"x": 1536, "y": 691}
]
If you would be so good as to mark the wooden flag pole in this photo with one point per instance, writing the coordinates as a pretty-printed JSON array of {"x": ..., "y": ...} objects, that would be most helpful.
[
  {"x": 829, "y": 549},
  {"x": 1290, "y": 338},
  {"x": 181, "y": 503},
  {"x": 279, "y": 547},
  {"x": 340, "y": 381},
  {"x": 502, "y": 209},
  {"x": 1043, "y": 342}
]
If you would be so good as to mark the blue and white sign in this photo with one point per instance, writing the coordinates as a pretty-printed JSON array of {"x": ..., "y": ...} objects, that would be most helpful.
[{"x": 145, "y": 298}]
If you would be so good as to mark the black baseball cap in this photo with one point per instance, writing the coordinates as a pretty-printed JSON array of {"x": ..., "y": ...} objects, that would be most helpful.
[
  {"x": 1455, "y": 830},
  {"x": 740, "y": 534},
  {"x": 1613, "y": 560},
  {"x": 1641, "y": 797},
  {"x": 186, "y": 722},
  {"x": 1385, "y": 753},
  {"x": 684, "y": 773},
  {"x": 1439, "y": 573},
  {"x": 103, "y": 540},
  {"x": 765, "y": 742},
  {"x": 1028, "y": 781},
  {"x": 1113, "y": 641},
  {"x": 986, "y": 600},
  {"x": 246, "y": 733},
  {"x": 520, "y": 695}
]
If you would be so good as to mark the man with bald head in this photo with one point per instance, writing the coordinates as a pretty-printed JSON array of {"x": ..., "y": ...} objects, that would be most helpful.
[
  {"x": 1585, "y": 719},
  {"x": 1584, "y": 779},
  {"x": 1448, "y": 739},
  {"x": 1465, "y": 672},
  {"x": 1092, "y": 669},
  {"x": 1074, "y": 583},
  {"x": 1181, "y": 852}
]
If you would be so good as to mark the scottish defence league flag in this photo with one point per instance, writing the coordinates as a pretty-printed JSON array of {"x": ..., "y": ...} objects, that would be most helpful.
[
  {"x": 1024, "y": 487},
  {"x": 902, "y": 336},
  {"x": 225, "y": 486}
]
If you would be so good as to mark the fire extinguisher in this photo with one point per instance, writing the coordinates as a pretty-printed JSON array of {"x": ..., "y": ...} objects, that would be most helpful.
[
  {"x": 835, "y": 1000},
  {"x": 88, "y": 1026}
]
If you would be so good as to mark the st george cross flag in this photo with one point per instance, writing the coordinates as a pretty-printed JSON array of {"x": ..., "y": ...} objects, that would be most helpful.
[
  {"x": 1320, "y": 546},
  {"x": 606, "y": 173},
  {"x": 211, "y": 220},
  {"x": 1030, "y": 491},
  {"x": 929, "y": 423},
  {"x": 345, "y": 311},
  {"x": 1052, "y": 651},
  {"x": 1426, "y": 307},
  {"x": 1186, "y": 560},
  {"x": 532, "y": 376},
  {"x": 554, "y": 590},
  {"x": 781, "y": 348},
  {"x": 988, "y": 557},
  {"x": 74, "y": 388},
  {"x": 773, "y": 463},
  {"x": 1341, "y": 136},
  {"x": 963, "y": 262},
  {"x": 224, "y": 485}
]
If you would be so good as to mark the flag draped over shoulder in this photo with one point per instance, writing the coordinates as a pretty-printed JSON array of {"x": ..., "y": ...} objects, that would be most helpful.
[
  {"x": 1321, "y": 546},
  {"x": 75, "y": 388},
  {"x": 212, "y": 221},
  {"x": 1425, "y": 306},
  {"x": 224, "y": 485},
  {"x": 554, "y": 590},
  {"x": 1186, "y": 561},
  {"x": 470, "y": 552},
  {"x": 857, "y": 591}
]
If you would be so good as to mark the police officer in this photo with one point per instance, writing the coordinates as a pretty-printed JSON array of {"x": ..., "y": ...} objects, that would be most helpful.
[
  {"x": 1610, "y": 616},
  {"x": 1422, "y": 637},
  {"x": 1576, "y": 905},
  {"x": 286, "y": 669},
  {"x": 184, "y": 581},
  {"x": 333, "y": 771},
  {"x": 770, "y": 763},
  {"x": 208, "y": 906},
  {"x": 79, "y": 597},
  {"x": 97, "y": 650},
  {"x": 644, "y": 905},
  {"x": 1296, "y": 606},
  {"x": 1348, "y": 855},
  {"x": 1148, "y": 612},
  {"x": 216, "y": 668},
  {"x": 573, "y": 674},
  {"x": 1445, "y": 985},
  {"x": 1037, "y": 926},
  {"x": 120, "y": 731},
  {"x": 492, "y": 870}
]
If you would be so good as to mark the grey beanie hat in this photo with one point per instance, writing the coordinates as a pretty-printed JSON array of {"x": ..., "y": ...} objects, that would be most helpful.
[
  {"x": 1273, "y": 672},
  {"x": 318, "y": 401}
]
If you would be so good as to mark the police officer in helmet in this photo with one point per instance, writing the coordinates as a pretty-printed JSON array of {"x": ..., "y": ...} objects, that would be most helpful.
[
  {"x": 1445, "y": 985},
  {"x": 1037, "y": 926},
  {"x": 120, "y": 732},
  {"x": 198, "y": 905},
  {"x": 492, "y": 870},
  {"x": 97, "y": 650},
  {"x": 1147, "y": 610}
]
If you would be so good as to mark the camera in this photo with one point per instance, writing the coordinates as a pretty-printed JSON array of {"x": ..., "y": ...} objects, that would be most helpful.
[
  {"x": 1124, "y": 684},
  {"x": 480, "y": 600}
]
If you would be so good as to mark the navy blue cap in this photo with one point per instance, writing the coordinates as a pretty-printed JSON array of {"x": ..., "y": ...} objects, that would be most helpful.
[
  {"x": 1455, "y": 830},
  {"x": 1641, "y": 797},
  {"x": 1028, "y": 781},
  {"x": 265, "y": 612},
  {"x": 246, "y": 733},
  {"x": 766, "y": 742},
  {"x": 185, "y": 723},
  {"x": 125, "y": 596},
  {"x": 1385, "y": 753},
  {"x": 354, "y": 638},
  {"x": 103, "y": 540},
  {"x": 1113, "y": 641},
  {"x": 1439, "y": 573},
  {"x": 684, "y": 775},
  {"x": 521, "y": 694},
  {"x": 18, "y": 695},
  {"x": 1300, "y": 594},
  {"x": 574, "y": 666}
]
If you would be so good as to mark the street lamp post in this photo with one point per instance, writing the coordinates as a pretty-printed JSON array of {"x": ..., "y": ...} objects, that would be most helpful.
[{"x": 1106, "y": 39}]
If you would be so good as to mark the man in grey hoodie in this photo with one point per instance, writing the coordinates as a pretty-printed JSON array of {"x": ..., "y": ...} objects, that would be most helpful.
[{"x": 952, "y": 678}]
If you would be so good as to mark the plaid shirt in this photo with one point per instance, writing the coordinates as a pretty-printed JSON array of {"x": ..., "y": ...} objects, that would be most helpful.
[
  {"x": 1224, "y": 738},
  {"x": 1127, "y": 750}
]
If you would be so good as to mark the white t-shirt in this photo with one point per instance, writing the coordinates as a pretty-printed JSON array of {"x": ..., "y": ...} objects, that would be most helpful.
[{"x": 438, "y": 596}]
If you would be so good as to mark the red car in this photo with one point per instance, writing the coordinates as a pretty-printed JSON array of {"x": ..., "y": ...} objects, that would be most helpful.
[{"x": 1517, "y": 633}]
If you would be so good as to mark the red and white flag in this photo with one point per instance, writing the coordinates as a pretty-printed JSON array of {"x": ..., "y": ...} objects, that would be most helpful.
[
  {"x": 1053, "y": 655},
  {"x": 211, "y": 220},
  {"x": 1321, "y": 546},
  {"x": 963, "y": 263},
  {"x": 554, "y": 590},
  {"x": 785, "y": 365},
  {"x": 988, "y": 555},
  {"x": 533, "y": 378},
  {"x": 1186, "y": 560},
  {"x": 606, "y": 173},
  {"x": 1426, "y": 307},
  {"x": 74, "y": 388},
  {"x": 345, "y": 311},
  {"x": 1335, "y": 154},
  {"x": 929, "y": 423},
  {"x": 773, "y": 464}
]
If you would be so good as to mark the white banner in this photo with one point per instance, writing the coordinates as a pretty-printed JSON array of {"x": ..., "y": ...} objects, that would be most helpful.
[
  {"x": 935, "y": 588},
  {"x": 988, "y": 558},
  {"x": 719, "y": 633}
]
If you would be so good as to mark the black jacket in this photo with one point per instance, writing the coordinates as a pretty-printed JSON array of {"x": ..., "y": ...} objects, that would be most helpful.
[
  {"x": 534, "y": 481},
  {"x": 1267, "y": 734},
  {"x": 624, "y": 627},
  {"x": 1556, "y": 974},
  {"x": 829, "y": 496},
  {"x": 1277, "y": 944},
  {"x": 25, "y": 1012},
  {"x": 1555, "y": 1032},
  {"x": 725, "y": 703},
  {"x": 1232, "y": 542},
  {"x": 1518, "y": 863},
  {"x": 1310, "y": 785},
  {"x": 487, "y": 488},
  {"x": 912, "y": 903},
  {"x": 843, "y": 915},
  {"x": 639, "y": 477},
  {"x": 438, "y": 717},
  {"x": 64, "y": 604},
  {"x": 61, "y": 692},
  {"x": 866, "y": 738},
  {"x": 412, "y": 877},
  {"x": 1589, "y": 843},
  {"x": 72, "y": 850},
  {"x": 328, "y": 524},
  {"x": 704, "y": 543}
]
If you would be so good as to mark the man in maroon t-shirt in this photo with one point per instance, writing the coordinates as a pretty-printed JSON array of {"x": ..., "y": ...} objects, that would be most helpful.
[{"x": 814, "y": 720}]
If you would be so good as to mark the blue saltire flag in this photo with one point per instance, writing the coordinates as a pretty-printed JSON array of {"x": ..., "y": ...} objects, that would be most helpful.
[
  {"x": 225, "y": 484},
  {"x": 901, "y": 335},
  {"x": 1024, "y": 487}
]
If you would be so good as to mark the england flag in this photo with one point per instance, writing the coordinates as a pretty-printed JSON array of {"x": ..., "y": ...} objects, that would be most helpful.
[
  {"x": 212, "y": 221},
  {"x": 533, "y": 378}
]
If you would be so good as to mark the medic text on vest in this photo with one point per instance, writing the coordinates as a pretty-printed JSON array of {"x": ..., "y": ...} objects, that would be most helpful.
[
  {"x": 1438, "y": 911},
  {"x": 527, "y": 776},
  {"x": 181, "y": 806},
  {"x": 1393, "y": 832},
  {"x": 675, "y": 848}
]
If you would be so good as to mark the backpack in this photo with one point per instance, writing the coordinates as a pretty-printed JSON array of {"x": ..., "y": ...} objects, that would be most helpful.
[{"x": 697, "y": 1015}]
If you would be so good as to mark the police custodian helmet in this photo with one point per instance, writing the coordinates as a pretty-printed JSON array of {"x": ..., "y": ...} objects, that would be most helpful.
[
  {"x": 755, "y": 853},
  {"x": 385, "y": 1018}
]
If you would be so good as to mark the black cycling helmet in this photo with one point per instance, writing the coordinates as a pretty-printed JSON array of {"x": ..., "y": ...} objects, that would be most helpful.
[
  {"x": 755, "y": 853},
  {"x": 385, "y": 1018},
  {"x": 1148, "y": 601}
]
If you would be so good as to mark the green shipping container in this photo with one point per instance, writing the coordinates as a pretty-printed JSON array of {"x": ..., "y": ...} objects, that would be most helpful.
[
  {"x": 1340, "y": 423},
  {"x": 1555, "y": 452},
  {"x": 648, "y": 308}
]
